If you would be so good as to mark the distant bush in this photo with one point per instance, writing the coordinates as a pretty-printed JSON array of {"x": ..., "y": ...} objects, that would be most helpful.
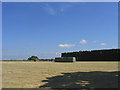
[{"x": 33, "y": 58}]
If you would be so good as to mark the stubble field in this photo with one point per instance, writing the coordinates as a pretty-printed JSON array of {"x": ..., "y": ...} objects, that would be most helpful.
[{"x": 59, "y": 75}]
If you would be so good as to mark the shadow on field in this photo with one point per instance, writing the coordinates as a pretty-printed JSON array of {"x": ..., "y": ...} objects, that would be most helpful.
[{"x": 96, "y": 79}]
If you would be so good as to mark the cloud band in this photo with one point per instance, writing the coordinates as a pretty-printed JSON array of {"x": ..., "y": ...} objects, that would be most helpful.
[{"x": 66, "y": 45}]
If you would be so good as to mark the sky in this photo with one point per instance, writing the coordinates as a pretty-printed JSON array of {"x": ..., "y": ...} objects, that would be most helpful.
[
  {"x": 60, "y": 0},
  {"x": 47, "y": 29}
]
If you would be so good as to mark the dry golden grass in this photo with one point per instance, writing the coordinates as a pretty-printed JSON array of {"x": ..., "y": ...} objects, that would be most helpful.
[{"x": 31, "y": 74}]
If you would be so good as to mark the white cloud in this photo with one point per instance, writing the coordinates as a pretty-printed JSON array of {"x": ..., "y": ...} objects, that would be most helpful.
[
  {"x": 103, "y": 44},
  {"x": 66, "y": 45},
  {"x": 49, "y": 9},
  {"x": 64, "y": 7},
  {"x": 83, "y": 41},
  {"x": 53, "y": 11},
  {"x": 58, "y": 53}
]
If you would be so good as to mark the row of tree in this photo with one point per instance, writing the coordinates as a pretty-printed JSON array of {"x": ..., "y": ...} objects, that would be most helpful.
[
  {"x": 34, "y": 58},
  {"x": 95, "y": 55}
]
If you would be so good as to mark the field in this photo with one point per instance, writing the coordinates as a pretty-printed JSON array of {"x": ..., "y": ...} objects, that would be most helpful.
[{"x": 57, "y": 75}]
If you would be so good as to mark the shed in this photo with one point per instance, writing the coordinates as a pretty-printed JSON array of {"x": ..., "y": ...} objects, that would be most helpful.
[{"x": 65, "y": 59}]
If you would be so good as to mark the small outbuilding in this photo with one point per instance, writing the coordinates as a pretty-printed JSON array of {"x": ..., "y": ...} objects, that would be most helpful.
[{"x": 65, "y": 59}]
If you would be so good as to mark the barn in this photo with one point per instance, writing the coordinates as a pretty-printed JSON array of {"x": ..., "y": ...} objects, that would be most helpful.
[{"x": 65, "y": 59}]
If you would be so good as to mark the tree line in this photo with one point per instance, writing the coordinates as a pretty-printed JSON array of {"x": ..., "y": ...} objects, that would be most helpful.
[
  {"x": 95, "y": 55},
  {"x": 34, "y": 58}
]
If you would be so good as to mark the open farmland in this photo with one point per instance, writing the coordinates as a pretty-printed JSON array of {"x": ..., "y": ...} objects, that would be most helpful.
[{"x": 52, "y": 74}]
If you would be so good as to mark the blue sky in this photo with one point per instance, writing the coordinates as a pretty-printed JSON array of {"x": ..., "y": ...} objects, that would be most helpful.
[{"x": 48, "y": 29}]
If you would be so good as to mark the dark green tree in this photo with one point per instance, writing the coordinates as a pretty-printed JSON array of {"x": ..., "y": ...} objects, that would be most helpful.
[{"x": 33, "y": 58}]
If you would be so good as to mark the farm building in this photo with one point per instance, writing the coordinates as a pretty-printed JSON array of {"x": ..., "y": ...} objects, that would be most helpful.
[{"x": 65, "y": 59}]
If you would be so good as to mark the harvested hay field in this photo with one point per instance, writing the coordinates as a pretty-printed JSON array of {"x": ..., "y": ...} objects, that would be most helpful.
[{"x": 57, "y": 75}]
